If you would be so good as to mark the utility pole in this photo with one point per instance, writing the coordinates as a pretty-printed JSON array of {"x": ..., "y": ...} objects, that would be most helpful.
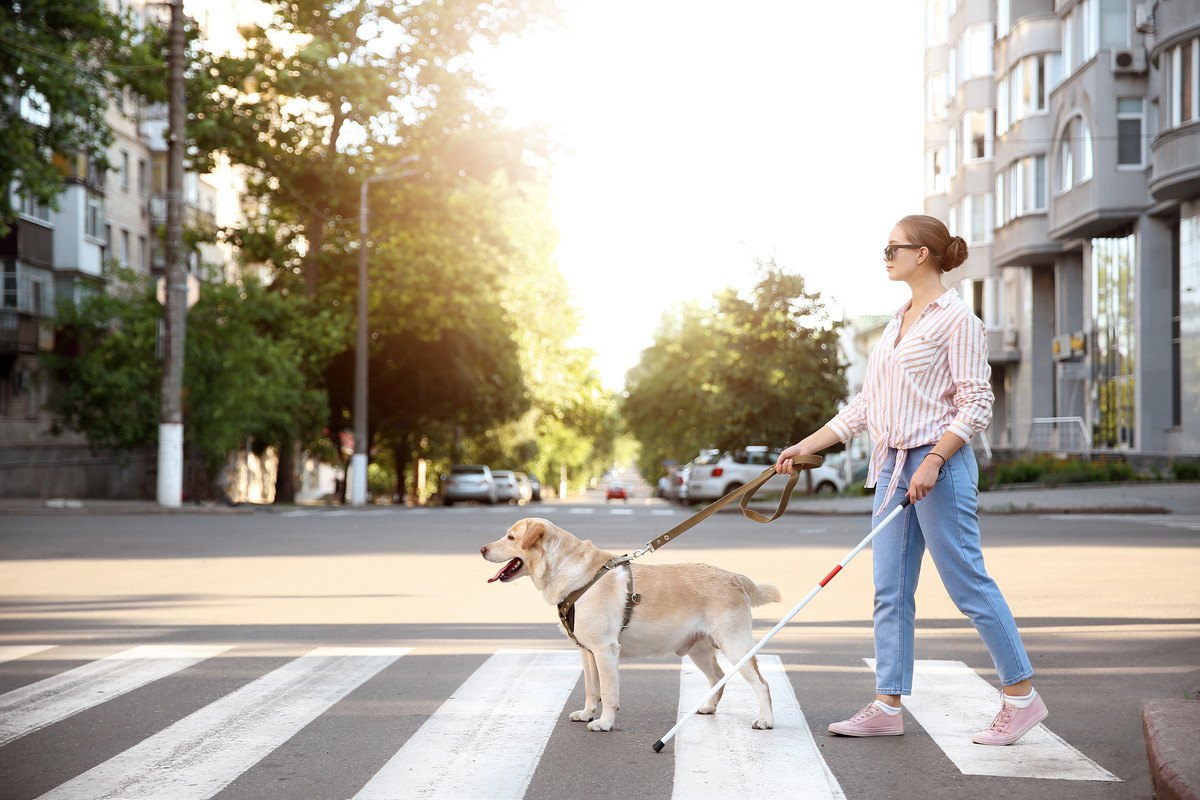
[{"x": 170, "y": 427}]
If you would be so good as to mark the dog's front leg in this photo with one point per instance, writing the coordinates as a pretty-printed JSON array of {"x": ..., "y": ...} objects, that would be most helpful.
[
  {"x": 607, "y": 659},
  {"x": 591, "y": 689}
]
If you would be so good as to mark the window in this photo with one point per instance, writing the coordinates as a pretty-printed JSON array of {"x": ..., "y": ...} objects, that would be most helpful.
[
  {"x": 31, "y": 208},
  {"x": 935, "y": 171},
  {"x": 1129, "y": 131},
  {"x": 1003, "y": 17},
  {"x": 935, "y": 96},
  {"x": 92, "y": 215},
  {"x": 976, "y": 215},
  {"x": 125, "y": 178},
  {"x": 125, "y": 249},
  {"x": 977, "y": 135},
  {"x": 952, "y": 219},
  {"x": 143, "y": 178},
  {"x": 1003, "y": 117},
  {"x": 935, "y": 22},
  {"x": 1074, "y": 154},
  {"x": 952, "y": 74},
  {"x": 1027, "y": 186},
  {"x": 1185, "y": 78},
  {"x": 955, "y": 150},
  {"x": 141, "y": 254},
  {"x": 975, "y": 51},
  {"x": 1068, "y": 43},
  {"x": 1087, "y": 22},
  {"x": 1115, "y": 25},
  {"x": 1114, "y": 271},
  {"x": 1000, "y": 201}
]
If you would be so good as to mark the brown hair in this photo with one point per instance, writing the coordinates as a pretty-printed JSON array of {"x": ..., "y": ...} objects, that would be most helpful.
[{"x": 946, "y": 251}]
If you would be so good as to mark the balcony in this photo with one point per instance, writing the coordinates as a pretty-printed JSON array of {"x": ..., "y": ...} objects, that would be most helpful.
[
  {"x": 29, "y": 242},
  {"x": 1176, "y": 160},
  {"x": 1024, "y": 242},
  {"x": 19, "y": 333},
  {"x": 1002, "y": 346}
]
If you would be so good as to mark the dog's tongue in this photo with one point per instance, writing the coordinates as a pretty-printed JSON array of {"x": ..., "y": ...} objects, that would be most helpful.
[{"x": 503, "y": 570}]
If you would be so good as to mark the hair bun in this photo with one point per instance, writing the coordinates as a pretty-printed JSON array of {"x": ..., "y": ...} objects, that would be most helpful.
[{"x": 956, "y": 253}]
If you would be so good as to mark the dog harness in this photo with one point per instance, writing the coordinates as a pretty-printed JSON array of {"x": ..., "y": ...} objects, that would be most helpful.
[{"x": 566, "y": 608}]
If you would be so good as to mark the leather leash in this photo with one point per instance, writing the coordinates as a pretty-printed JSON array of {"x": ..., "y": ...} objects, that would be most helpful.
[{"x": 744, "y": 493}]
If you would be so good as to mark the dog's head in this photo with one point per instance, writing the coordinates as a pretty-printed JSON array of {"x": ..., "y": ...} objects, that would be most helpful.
[{"x": 523, "y": 542}]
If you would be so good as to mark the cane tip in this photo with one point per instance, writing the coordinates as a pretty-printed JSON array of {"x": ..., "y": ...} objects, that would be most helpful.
[{"x": 658, "y": 746}]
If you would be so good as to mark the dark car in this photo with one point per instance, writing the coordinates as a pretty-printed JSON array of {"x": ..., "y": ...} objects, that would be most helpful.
[{"x": 536, "y": 485}]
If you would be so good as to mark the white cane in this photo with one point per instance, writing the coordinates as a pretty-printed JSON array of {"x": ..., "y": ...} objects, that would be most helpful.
[{"x": 661, "y": 743}]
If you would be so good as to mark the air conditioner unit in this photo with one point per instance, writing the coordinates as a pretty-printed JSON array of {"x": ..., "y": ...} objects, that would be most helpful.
[{"x": 1129, "y": 61}]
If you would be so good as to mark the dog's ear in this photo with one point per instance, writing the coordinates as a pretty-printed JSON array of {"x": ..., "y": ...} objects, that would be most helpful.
[{"x": 535, "y": 529}]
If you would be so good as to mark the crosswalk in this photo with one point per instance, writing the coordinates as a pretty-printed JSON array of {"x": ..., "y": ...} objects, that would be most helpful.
[
  {"x": 490, "y": 735},
  {"x": 1189, "y": 522}
]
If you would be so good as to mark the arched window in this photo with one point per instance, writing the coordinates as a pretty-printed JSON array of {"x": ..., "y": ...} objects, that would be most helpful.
[
  {"x": 1066, "y": 164},
  {"x": 1074, "y": 154}
]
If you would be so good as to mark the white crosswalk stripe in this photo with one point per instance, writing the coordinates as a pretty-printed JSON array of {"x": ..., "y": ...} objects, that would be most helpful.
[
  {"x": 952, "y": 702},
  {"x": 1189, "y": 522},
  {"x": 12, "y": 652},
  {"x": 202, "y": 753},
  {"x": 29, "y": 708},
  {"x": 485, "y": 742},
  {"x": 722, "y": 756}
]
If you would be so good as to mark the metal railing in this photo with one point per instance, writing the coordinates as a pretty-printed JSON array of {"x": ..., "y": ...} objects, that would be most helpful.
[{"x": 1066, "y": 435}]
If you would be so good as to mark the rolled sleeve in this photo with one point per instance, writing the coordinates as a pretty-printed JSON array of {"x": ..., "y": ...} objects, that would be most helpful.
[
  {"x": 851, "y": 420},
  {"x": 972, "y": 375}
]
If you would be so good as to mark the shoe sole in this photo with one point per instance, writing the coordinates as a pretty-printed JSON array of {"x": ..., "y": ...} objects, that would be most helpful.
[
  {"x": 867, "y": 735},
  {"x": 1019, "y": 736}
]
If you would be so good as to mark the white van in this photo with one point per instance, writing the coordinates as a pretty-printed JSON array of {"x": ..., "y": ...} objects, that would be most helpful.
[{"x": 717, "y": 474}]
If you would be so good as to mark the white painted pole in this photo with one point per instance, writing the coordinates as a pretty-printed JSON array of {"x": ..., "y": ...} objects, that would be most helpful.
[{"x": 658, "y": 746}]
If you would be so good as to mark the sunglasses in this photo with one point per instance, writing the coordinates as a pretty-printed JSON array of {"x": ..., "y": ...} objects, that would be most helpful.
[{"x": 889, "y": 252}]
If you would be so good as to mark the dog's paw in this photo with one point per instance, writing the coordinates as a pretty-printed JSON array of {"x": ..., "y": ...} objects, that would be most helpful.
[
  {"x": 763, "y": 724},
  {"x": 601, "y": 725},
  {"x": 707, "y": 709},
  {"x": 583, "y": 715}
]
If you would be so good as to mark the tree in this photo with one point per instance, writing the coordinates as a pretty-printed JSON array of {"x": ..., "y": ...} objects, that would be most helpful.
[
  {"x": 760, "y": 369},
  {"x": 247, "y": 375},
  {"x": 60, "y": 62}
]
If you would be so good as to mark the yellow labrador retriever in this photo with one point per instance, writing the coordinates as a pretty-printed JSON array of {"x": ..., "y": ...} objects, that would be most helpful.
[{"x": 685, "y": 608}]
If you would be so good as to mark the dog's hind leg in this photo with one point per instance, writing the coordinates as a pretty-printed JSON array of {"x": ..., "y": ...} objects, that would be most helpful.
[
  {"x": 704, "y": 656},
  {"x": 591, "y": 689},
  {"x": 735, "y": 641}
]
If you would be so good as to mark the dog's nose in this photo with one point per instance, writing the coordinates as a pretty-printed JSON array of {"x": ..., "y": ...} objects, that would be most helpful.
[{"x": 483, "y": 550}]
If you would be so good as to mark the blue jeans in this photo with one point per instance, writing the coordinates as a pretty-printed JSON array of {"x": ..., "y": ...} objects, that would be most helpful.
[{"x": 946, "y": 522}]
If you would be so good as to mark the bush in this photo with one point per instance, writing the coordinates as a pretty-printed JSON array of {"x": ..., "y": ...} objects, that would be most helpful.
[
  {"x": 1052, "y": 471},
  {"x": 1185, "y": 471}
]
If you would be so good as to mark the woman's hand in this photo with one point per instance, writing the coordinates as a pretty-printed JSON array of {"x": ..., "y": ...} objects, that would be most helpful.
[
  {"x": 783, "y": 464},
  {"x": 924, "y": 478}
]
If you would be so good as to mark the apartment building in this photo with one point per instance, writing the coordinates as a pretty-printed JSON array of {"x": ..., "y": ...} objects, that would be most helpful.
[
  {"x": 105, "y": 217},
  {"x": 1063, "y": 143}
]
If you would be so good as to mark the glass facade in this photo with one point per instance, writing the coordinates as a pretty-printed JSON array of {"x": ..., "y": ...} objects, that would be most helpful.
[
  {"x": 1189, "y": 326},
  {"x": 1114, "y": 333}
]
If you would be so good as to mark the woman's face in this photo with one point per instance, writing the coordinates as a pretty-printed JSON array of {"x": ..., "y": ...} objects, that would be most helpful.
[{"x": 907, "y": 260}]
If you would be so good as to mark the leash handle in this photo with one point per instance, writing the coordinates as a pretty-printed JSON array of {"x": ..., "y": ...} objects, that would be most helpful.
[{"x": 745, "y": 492}]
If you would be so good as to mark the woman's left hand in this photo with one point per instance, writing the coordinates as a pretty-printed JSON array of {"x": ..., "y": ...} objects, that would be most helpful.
[{"x": 924, "y": 479}]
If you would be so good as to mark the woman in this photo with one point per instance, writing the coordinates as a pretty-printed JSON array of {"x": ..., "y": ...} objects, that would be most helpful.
[{"x": 927, "y": 393}]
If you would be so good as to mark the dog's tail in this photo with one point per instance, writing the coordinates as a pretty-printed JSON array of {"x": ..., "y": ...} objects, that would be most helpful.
[{"x": 760, "y": 595}]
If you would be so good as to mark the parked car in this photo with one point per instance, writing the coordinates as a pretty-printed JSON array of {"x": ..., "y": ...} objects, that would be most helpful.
[
  {"x": 661, "y": 489},
  {"x": 508, "y": 490},
  {"x": 617, "y": 491},
  {"x": 524, "y": 488},
  {"x": 718, "y": 475},
  {"x": 469, "y": 482},
  {"x": 536, "y": 486},
  {"x": 677, "y": 488},
  {"x": 858, "y": 467}
]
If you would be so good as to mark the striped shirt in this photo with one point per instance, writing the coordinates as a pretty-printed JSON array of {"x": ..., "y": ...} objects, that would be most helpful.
[{"x": 934, "y": 379}]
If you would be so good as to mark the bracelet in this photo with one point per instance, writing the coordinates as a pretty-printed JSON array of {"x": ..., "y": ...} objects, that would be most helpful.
[{"x": 939, "y": 455}]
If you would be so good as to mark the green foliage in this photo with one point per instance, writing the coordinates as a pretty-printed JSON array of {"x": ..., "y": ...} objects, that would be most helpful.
[
  {"x": 1053, "y": 471},
  {"x": 1185, "y": 470},
  {"x": 760, "y": 369},
  {"x": 64, "y": 60},
  {"x": 250, "y": 357}
]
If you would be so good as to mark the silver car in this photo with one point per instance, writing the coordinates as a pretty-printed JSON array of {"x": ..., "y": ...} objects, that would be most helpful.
[
  {"x": 508, "y": 489},
  {"x": 469, "y": 482}
]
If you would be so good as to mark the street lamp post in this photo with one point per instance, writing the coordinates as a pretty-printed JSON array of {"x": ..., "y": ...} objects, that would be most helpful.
[{"x": 358, "y": 462}]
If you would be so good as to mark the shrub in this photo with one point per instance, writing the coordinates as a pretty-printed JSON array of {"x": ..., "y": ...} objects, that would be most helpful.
[{"x": 1185, "y": 471}]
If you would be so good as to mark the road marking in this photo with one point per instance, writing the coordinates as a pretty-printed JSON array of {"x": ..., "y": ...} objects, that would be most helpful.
[
  {"x": 582, "y": 510},
  {"x": 486, "y": 740},
  {"x": 662, "y": 512},
  {"x": 202, "y": 753},
  {"x": 1189, "y": 522},
  {"x": 25, "y": 710},
  {"x": 621, "y": 511},
  {"x": 952, "y": 703},
  {"x": 722, "y": 756},
  {"x": 12, "y": 652}
]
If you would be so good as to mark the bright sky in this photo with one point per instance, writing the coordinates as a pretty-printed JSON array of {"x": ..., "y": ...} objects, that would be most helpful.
[
  {"x": 699, "y": 135},
  {"x": 696, "y": 136}
]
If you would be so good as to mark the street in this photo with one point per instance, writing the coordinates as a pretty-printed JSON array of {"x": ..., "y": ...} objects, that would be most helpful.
[{"x": 339, "y": 653}]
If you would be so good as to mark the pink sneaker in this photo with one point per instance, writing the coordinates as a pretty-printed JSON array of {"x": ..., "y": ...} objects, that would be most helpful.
[
  {"x": 871, "y": 721},
  {"x": 1012, "y": 723}
]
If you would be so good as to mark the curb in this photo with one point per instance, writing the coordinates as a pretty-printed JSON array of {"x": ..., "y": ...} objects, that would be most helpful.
[{"x": 1172, "y": 731}]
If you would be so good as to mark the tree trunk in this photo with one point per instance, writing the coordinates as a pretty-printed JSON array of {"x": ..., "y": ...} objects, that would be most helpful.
[{"x": 285, "y": 475}]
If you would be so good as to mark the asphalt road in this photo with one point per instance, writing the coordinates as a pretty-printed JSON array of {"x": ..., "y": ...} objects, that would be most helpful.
[{"x": 447, "y": 685}]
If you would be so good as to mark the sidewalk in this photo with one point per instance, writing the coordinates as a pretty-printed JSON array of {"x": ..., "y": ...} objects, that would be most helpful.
[{"x": 1134, "y": 497}]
